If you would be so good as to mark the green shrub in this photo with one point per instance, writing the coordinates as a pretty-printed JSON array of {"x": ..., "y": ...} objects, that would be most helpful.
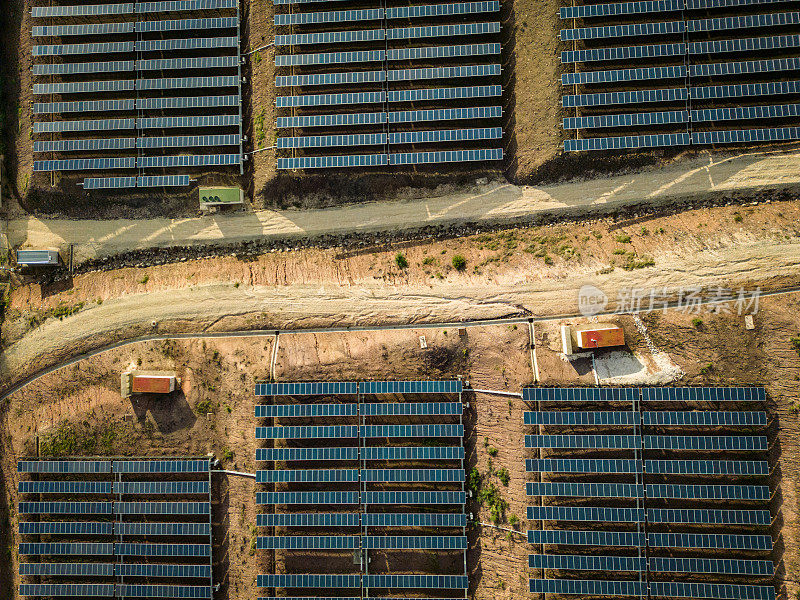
[
  {"x": 697, "y": 322},
  {"x": 400, "y": 260},
  {"x": 623, "y": 238},
  {"x": 503, "y": 476},
  {"x": 203, "y": 407},
  {"x": 492, "y": 451},
  {"x": 459, "y": 262}
]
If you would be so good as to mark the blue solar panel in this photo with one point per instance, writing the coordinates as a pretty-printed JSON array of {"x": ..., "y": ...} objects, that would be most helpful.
[
  {"x": 186, "y": 44},
  {"x": 187, "y": 102},
  {"x": 411, "y": 408},
  {"x": 161, "y": 487},
  {"x": 412, "y": 452},
  {"x": 66, "y": 528},
  {"x": 627, "y": 142},
  {"x": 414, "y": 519},
  {"x": 188, "y": 122},
  {"x": 412, "y": 475},
  {"x": 426, "y": 431},
  {"x": 288, "y": 454},
  {"x": 744, "y": 45},
  {"x": 162, "y": 570},
  {"x": 82, "y": 30},
  {"x": 627, "y": 119},
  {"x": 621, "y": 442},
  {"x": 466, "y": 71},
  {"x": 162, "y": 508},
  {"x": 744, "y": 67},
  {"x": 331, "y": 37},
  {"x": 415, "y": 542},
  {"x": 704, "y": 4},
  {"x": 339, "y": 161},
  {"x": 441, "y": 10},
  {"x": 569, "y": 537},
  {"x": 705, "y": 442},
  {"x": 87, "y": 67},
  {"x": 431, "y": 94},
  {"x": 594, "y": 514},
  {"x": 586, "y": 563},
  {"x": 420, "y": 497},
  {"x": 156, "y": 529},
  {"x": 626, "y": 395},
  {"x": 746, "y": 135},
  {"x": 306, "y": 410},
  {"x": 84, "y": 164},
  {"x": 619, "y": 75},
  {"x": 335, "y": 121},
  {"x": 175, "y": 83},
  {"x": 83, "y": 87},
  {"x": 722, "y": 541},
  {"x": 707, "y": 467},
  {"x": 583, "y": 490},
  {"x": 330, "y": 99},
  {"x": 63, "y": 466},
  {"x": 612, "y": 31},
  {"x": 728, "y": 566},
  {"x": 40, "y": 108},
  {"x": 307, "y": 498},
  {"x": 65, "y": 487},
  {"x": 189, "y": 141},
  {"x": 704, "y": 394},
  {"x": 409, "y": 33},
  {"x": 446, "y": 114},
  {"x": 308, "y": 520},
  {"x": 623, "y": 53},
  {"x": 93, "y": 125},
  {"x": 743, "y": 22},
  {"x": 335, "y": 16},
  {"x": 91, "y": 10},
  {"x": 708, "y": 492},
  {"x": 748, "y": 89},
  {"x": 103, "y": 183},
  {"x": 65, "y": 508},
  {"x": 412, "y": 387},
  {"x": 64, "y": 549},
  {"x": 306, "y": 389},
  {"x": 329, "y": 58},
  {"x": 163, "y": 591},
  {"x": 89, "y": 145},
  {"x": 68, "y": 569},
  {"x": 307, "y": 476},
  {"x": 309, "y": 580},
  {"x": 632, "y": 97},
  {"x": 203, "y": 62},
  {"x": 330, "y": 78},
  {"x": 583, "y": 465},
  {"x": 445, "y": 135},
  {"x": 597, "y": 587},
  {"x": 307, "y": 432},
  {"x": 189, "y": 160},
  {"x": 307, "y": 542},
  {"x": 417, "y": 581},
  {"x": 774, "y": 111},
  {"x": 133, "y": 549},
  {"x": 718, "y": 591},
  {"x": 66, "y": 589},
  {"x": 621, "y": 8},
  {"x": 433, "y": 52},
  {"x": 183, "y": 5},
  {"x": 162, "y": 180},
  {"x": 565, "y": 417},
  {"x": 186, "y": 24},
  {"x": 704, "y": 418},
  {"x": 709, "y": 516},
  {"x": 69, "y": 49}
]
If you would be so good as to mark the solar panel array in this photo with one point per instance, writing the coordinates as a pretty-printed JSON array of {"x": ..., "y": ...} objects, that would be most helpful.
[
  {"x": 336, "y": 66},
  {"x": 372, "y": 470},
  {"x": 152, "y": 74},
  {"x": 625, "y": 507},
  {"x": 647, "y": 73},
  {"x": 145, "y": 533}
]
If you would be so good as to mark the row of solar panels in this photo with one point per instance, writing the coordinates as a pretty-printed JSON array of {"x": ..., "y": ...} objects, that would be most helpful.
[
  {"x": 603, "y": 514},
  {"x": 658, "y": 467},
  {"x": 358, "y": 77},
  {"x": 677, "y": 27},
  {"x": 600, "y": 587},
  {"x": 654, "y": 418},
  {"x": 647, "y": 394},
  {"x": 114, "y": 570},
  {"x": 115, "y": 466},
  {"x": 776, "y": 134},
  {"x": 95, "y": 144},
  {"x": 141, "y": 123},
  {"x": 94, "y": 10},
  {"x": 121, "y": 590},
  {"x": 361, "y": 519},
  {"x": 402, "y": 137},
  {"x": 369, "y": 497},
  {"x": 364, "y": 475},
  {"x": 352, "y": 36},
  {"x": 579, "y": 562},
  {"x": 370, "y": 542},
  {"x": 363, "y": 431},
  {"x": 323, "y": 388},
  {"x": 310, "y": 580},
  {"x": 117, "y": 549},
  {"x": 773, "y": 111},
  {"x": 148, "y": 181},
  {"x": 680, "y": 71},
  {"x": 141, "y": 26},
  {"x": 392, "y": 117},
  {"x": 418, "y": 95},
  {"x": 115, "y": 487},
  {"x": 114, "y": 508},
  {"x": 96, "y": 164},
  {"x": 111, "y": 528},
  {"x": 651, "y": 6},
  {"x": 650, "y": 442},
  {"x": 138, "y": 46},
  {"x": 777, "y": 42},
  {"x": 368, "y": 410},
  {"x": 362, "y": 453},
  {"x": 378, "y": 14},
  {"x": 681, "y": 94},
  {"x": 652, "y": 490},
  {"x": 375, "y": 160},
  {"x": 395, "y": 54},
  {"x": 722, "y": 541}
]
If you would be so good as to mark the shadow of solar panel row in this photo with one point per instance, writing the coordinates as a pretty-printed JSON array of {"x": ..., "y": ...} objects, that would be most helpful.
[
  {"x": 188, "y": 141},
  {"x": 611, "y": 31},
  {"x": 587, "y": 563},
  {"x": 580, "y": 418},
  {"x": 308, "y": 520},
  {"x": 187, "y": 24},
  {"x": 582, "y": 465},
  {"x": 83, "y": 68},
  {"x": 728, "y": 566},
  {"x": 85, "y": 145},
  {"x": 724, "y": 541},
  {"x": 91, "y": 10},
  {"x": 84, "y": 87},
  {"x": 308, "y": 580},
  {"x": 186, "y": 44},
  {"x": 427, "y": 430},
  {"x": 414, "y": 542},
  {"x": 162, "y": 570},
  {"x": 187, "y": 102},
  {"x": 584, "y": 490},
  {"x": 330, "y": 99},
  {"x": 620, "y": 8},
  {"x": 83, "y": 106},
  {"x": 319, "y": 388},
  {"x": 163, "y": 591},
  {"x": 327, "y": 58},
  {"x": 68, "y": 569},
  {"x": 175, "y": 83},
  {"x": 746, "y": 135},
  {"x": 291, "y": 454},
  {"x": 626, "y": 395},
  {"x": 189, "y": 160},
  {"x": 307, "y": 476},
  {"x": 95, "y": 48},
  {"x": 445, "y": 135},
  {"x": 412, "y": 452},
  {"x": 409, "y": 116},
  {"x": 708, "y": 492},
  {"x": 414, "y": 519},
  {"x": 627, "y": 119},
  {"x": 707, "y": 467},
  {"x": 618, "y": 75},
  {"x": 412, "y": 475},
  {"x": 66, "y": 528},
  {"x": 85, "y": 29},
  {"x": 409, "y": 33},
  {"x": 331, "y": 37},
  {"x": 354, "y": 77},
  {"x": 307, "y": 498},
  {"x": 419, "y": 497},
  {"x": 203, "y": 62},
  {"x": 719, "y": 591},
  {"x": 433, "y": 52},
  {"x": 427, "y": 94},
  {"x": 707, "y": 516},
  {"x": 749, "y": 89},
  {"x": 596, "y": 514},
  {"x": 567, "y": 537}
]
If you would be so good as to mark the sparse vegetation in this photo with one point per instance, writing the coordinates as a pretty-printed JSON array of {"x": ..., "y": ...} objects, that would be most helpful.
[
  {"x": 548, "y": 260},
  {"x": 459, "y": 262},
  {"x": 503, "y": 476},
  {"x": 65, "y": 310},
  {"x": 513, "y": 520},
  {"x": 400, "y": 260},
  {"x": 697, "y": 322},
  {"x": 623, "y": 238},
  {"x": 492, "y": 451},
  {"x": 795, "y": 341},
  {"x": 707, "y": 369},
  {"x": 80, "y": 440},
  {"x": 203, "y": 407},
  {"x": 144, "y": 279},
  {"x": 737, "y": 217}
]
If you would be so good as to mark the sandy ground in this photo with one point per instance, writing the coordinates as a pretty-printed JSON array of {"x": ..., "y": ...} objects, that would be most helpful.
[
  {"x": 536, "y": 271},
  {"x": 494, "y": 202}
]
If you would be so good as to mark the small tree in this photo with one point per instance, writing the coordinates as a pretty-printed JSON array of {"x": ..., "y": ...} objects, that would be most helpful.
[
  {"x": 401, "y": 260},
  {"x": 459, "y": 262}
]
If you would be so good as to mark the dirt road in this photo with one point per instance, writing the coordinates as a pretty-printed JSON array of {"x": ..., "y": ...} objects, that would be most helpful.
[{"x": 708, "y": 174}]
